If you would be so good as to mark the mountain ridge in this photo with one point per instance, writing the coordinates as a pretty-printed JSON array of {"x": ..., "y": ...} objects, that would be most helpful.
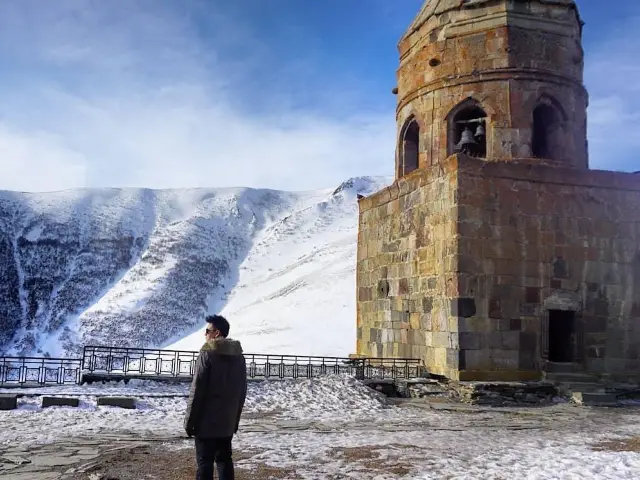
[{"x": 140, "y": 267}]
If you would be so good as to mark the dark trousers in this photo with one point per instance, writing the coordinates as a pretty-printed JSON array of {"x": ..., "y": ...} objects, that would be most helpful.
[{"x": 210, "y": 450}]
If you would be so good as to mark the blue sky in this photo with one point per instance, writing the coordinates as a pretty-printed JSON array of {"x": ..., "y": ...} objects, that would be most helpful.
[{"x": 289, "y": 94}]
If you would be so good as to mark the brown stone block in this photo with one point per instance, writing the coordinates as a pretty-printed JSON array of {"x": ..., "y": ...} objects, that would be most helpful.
[
  {"x": 468, "y": 229},
  {"x": 451, "y": 286},
  {"x": 397, "y": 304},
  {"x": 469, "y": 246},
  {"x": 533, "y": 269},
  {"x": 532, "y": 295},
  {"x": 362, "y": 294},
  {"x": 533, "y": 253},
  {"x": 495, "y": 308},
  {"x": 506, "y": 267},
  {"x": 468, "y": 213},
  {"x": 529, "y": 325},
  {"x": 506, "y": 219},
  {"x": 468, "y": 264},
  {"x": 490, "y": 249},
  {"x": 414, "y": 320}
]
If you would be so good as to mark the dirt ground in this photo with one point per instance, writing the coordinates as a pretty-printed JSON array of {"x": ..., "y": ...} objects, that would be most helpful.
[
  {"x": 627, "y": 445},
  {"x": 156, "y": 462}
]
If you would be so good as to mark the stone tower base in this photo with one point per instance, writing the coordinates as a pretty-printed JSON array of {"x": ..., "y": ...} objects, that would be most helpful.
[{"x": 479, "y": 267}]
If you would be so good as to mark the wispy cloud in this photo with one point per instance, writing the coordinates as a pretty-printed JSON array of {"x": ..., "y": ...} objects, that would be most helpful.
[
  {"x": 612, "y": 75},
  {"x": 131, "y": 94},
  {"x": 159, "y": 93},
  {"x": 35, "y": 161}
]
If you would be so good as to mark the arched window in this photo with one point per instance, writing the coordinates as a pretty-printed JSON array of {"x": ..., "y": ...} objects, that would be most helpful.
[
  {"x": 409, "y": 147},
  {"x": 468, "y": 130},
  {"x": 547, "y": 136}
]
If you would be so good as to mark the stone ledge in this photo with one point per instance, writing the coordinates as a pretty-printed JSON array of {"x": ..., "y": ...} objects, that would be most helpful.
[
  {"x": 594, "y": 399},
  {"x": 60, "y": 402},
  {"x": 504, "y": 393},
  {"x": 8, "y": 402},
  {"x": 530, "y": 170},
  {"x": 120, "y": 402},
  {"x": 499, "y": 375}
]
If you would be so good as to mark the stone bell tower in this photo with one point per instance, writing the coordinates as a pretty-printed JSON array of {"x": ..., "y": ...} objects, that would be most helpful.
[
  {"x": 497, "y": 254},
  {"x": 498, "y": 79}
]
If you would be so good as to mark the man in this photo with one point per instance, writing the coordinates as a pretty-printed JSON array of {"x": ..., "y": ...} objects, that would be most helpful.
[{"x": 216, "y": 399}]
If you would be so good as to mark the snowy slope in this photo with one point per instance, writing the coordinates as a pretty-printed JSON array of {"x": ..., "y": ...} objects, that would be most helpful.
[{"x": 142, "y": 267}]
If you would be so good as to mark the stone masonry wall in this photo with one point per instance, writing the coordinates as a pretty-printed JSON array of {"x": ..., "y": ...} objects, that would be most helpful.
[
  {"x": 533, "y": 238},
  {"x": 405, "y": 271},
  {"x": 507, "y": 56}
]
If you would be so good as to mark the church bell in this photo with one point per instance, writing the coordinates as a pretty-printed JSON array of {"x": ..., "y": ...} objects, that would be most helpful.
[{"x": 466, "y": 141}]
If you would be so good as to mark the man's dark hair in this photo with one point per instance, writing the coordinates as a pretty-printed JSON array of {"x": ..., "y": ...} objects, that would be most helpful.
[{"x": 219, "y": 322}]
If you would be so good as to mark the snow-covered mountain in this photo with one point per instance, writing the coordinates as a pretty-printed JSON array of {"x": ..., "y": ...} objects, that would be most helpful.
[{"x": 140, "y": 267}]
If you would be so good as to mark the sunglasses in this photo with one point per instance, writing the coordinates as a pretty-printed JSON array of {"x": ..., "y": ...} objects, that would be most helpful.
[{"x": 209, "y": 330}]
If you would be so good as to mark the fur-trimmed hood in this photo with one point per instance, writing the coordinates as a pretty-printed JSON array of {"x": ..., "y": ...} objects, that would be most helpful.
[{"x": 222, "y": 346}]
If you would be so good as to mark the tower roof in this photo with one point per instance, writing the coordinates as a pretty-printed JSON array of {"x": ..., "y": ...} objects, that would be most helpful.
[{"x": 433, "y": 8}]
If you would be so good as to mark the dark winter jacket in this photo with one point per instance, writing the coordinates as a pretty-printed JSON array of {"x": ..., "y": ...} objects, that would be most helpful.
[{"x": 218, "y": 390}]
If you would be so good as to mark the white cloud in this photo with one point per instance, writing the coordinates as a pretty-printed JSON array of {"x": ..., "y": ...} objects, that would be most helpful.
[
  {"x": 612, "y": 74},
  {"x": 133, "y": 97},
  {"x": 38, "y": 161},
  {"x": 97, "y": 93}
]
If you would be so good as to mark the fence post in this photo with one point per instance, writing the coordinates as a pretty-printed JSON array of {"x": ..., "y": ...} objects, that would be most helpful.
[{"x": 360, "y": 365}]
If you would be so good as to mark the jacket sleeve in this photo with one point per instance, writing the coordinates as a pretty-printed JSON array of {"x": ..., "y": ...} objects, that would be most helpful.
[
  {"x": 243, "y": 396},
  {"x": 197, "y": 394}
]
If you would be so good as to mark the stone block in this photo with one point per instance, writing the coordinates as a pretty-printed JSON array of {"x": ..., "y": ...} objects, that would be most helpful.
[
  {"x": 60, "y": 402},
  {"x": 477, "y": 359},
  {"x": 441, "y": 339},
  {"x": 615, "y": 365},
  {"x": 495, "y": 308},
  {"x": 427, "y": 304},
  {"x": 453, "y": 358},
  {"x": 474, "y": 324},
  {"x": 463, "y": 307},
  {"x": 121, "y": 402},
  {"x": 595, "y": 399},
  {"x": 510, "y": 340},
  {"x": 470, "y": 340},
  {"x": 526, "y": 361},
  {"x": 440, "y": 322},
  {"x": 8, "y": 402},
  {"x": 417, "y": 337},
  {"x": 453, "y": 324},
  {"x": 528, "y": 342},
  {"x": 505, "y": 359}
]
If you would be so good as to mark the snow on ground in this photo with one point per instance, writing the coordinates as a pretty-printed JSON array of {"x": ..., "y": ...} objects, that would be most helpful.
[
  {"x": 162, "y": 407},
  {"x": 308, "y": 423}
]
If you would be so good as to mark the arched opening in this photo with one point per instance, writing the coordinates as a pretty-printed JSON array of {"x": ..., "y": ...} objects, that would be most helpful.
[
  {"x": 547, "y": 136},
  {"x": 409, "y": 152},
  {"x": 468, "y": 130}
]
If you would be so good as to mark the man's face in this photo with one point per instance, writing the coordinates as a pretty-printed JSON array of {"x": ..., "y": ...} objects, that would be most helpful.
[{"x": 211, "y": 332}]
